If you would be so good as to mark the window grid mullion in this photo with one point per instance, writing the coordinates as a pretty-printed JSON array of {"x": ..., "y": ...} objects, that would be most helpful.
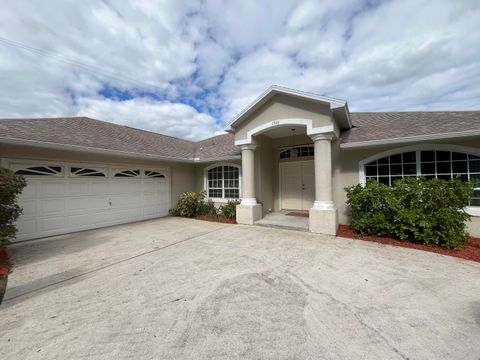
[{"x": 418, "y": 163}]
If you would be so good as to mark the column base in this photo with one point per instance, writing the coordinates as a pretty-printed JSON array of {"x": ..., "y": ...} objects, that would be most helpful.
[
  {"x": 323, "y": 221},
  {"x": 248, "y": 214}
]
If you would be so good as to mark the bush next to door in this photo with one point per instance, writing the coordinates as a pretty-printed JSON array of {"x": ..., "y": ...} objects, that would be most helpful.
[
  {"x": 425, "y": 211},
  {"x": 194, "y": 205},
  {"x": 230, "y": 209},
  {"x": 190, "y": 204},
  {"x": 11, "y": 186}
]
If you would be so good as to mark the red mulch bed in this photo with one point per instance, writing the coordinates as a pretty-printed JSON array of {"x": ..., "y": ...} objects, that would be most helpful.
[
  {"x": 5, "y": 265},
  {"x": 470, "y": 251},
  {"x": 214, "y": 218},
  {"x": 301, "y": 214}
]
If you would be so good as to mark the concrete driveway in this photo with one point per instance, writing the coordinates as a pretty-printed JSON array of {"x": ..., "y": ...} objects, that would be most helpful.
[{"x": 185, "y": 289}]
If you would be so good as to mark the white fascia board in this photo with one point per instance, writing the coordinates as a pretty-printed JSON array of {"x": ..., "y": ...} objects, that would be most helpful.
[
  {"x": 408, "y": 139},
  {"x": 86, "y": 149},
  {"x": 221, "y": 158},
  {"x": 334, "y": 103}
]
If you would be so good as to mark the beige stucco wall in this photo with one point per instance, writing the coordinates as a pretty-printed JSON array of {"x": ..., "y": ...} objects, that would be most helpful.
[
  {"x": 284, "y": 107},
  {"x": 348, "y": 173},
  {"x": 264, "y": 167},
  {"x": 182, "y": 175}
]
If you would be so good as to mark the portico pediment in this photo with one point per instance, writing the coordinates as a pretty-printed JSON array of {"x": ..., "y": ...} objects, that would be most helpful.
[{"x": 283, "y": 108}]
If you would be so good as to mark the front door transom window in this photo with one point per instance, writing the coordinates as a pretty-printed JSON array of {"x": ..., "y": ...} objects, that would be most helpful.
[
  {"x": 297, "y": 152},
  {"x": 223, "y": 182}
]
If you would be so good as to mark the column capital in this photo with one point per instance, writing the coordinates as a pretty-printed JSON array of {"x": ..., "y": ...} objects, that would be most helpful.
[
  {"x": 322, "y": 136},
  {"x": 249, "y": 147}
]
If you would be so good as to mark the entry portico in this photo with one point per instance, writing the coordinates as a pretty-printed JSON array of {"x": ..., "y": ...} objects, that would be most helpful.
[{"x": 278, "y": 134}]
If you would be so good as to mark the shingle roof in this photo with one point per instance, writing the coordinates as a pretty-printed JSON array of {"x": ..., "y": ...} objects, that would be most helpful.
[
  {"x": 96, "y": 134},
  {"x": 392, "y": 125},
  {"x": 217, "y": 146},
  {"x": 101, "y": 135}
]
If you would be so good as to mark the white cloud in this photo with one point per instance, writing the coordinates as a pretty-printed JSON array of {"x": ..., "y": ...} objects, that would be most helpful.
[
  {"x": 174, "y": 119},
  {"x": 219, "y": 55}
]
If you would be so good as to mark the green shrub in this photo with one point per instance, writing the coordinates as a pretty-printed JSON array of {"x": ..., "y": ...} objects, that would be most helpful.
[
  {"x": 189, "y": 204},
  {"x": 230, "y": 209},
  {"x": 426, "y": 211},
  {"x": 11, "y": 186},
  {"x": 207, "y": 208},
  {"x": 192, "y": 204}
]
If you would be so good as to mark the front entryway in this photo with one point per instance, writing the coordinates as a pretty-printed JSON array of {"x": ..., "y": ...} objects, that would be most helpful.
[{"x": 297, "y": 185}]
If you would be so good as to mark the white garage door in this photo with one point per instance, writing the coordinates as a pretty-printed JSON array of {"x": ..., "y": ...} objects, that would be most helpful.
[{"x": 62, "y": 198}]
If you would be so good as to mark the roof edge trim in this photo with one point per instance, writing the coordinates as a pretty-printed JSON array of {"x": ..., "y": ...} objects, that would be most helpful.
[
  {"x": 334, "y": 103},
  {"x": 406, "y": 139}
]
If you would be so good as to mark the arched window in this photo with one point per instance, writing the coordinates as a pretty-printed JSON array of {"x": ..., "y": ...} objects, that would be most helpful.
[
  {"x": 427, "y": 162},
  {"x": 222, "y": 182}
]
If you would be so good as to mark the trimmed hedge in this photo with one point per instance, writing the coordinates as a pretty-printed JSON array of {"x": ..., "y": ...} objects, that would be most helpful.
[
  {"x": 425, "y": 211},
  {"x": 11, "y": 186}
]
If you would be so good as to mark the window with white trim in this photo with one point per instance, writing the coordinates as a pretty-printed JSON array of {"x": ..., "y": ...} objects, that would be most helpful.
[
  {"x": 223, "y": 182},
  {"x": 297, "y": 152},
  {"x": 127, "y": 173},
  {"x": 39, "y": 170},
  {"x": 430, "y": 164},
  {"x": 79, "y": 171},
  {"x": 154, "y": 174}
]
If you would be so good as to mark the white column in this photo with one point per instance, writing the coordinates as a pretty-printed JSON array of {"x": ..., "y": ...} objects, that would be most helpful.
[
  {"x": 248, "y": 174},
  {"x": 323, "y": 171},
  {"x": 323, "y": 215}
]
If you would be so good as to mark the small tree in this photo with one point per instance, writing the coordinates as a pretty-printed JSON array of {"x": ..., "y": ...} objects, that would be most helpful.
[{"x": 11, "y": 186}]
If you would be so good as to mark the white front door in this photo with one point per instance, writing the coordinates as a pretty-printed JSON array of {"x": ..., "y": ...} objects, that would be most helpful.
[{"x": 297, "y": 185}]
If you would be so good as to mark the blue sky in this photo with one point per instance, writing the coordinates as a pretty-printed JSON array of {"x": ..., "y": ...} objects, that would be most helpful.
[{"x": 184, "y": 68}]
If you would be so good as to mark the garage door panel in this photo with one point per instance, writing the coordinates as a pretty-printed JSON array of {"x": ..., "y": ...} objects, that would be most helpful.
[
  {"x": 54, "y": 206},
  {"x": 78, "y": 188},
  {"x": 30, "y": 191},
  {"x": 119, "y": 216},
  {"x": 136, "y": 214},
  {"x": 100, "y": 188},
  {"x": 51, "y": 223},
  {"x": 126, "y": 201},
  {"x": 87, "y": 203},
  {"x": 27, "y": 226},
  {"x": 50, "y": 188},
  {"x": 29, "y": 207}
]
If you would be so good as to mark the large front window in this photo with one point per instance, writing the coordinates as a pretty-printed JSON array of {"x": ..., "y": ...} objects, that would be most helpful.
[
  {"x": 430, "y": 164},
  {"x": 223, "y": 182}
]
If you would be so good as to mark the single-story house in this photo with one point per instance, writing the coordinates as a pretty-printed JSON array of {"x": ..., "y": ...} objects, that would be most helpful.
[{"x": 288, "y": 150}]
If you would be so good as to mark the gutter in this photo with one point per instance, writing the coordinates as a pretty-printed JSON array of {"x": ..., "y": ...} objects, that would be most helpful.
[{"x": 408, "y": 139}]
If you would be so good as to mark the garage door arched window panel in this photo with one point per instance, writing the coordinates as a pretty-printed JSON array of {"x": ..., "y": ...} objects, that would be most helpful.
[
  {"x": 126, "y": 173},
  {"x": 429, "y": 163},
  {"x": 38, "y": 170},
  {"x": 80, "y": 172},
  {"x": 223, "y": 182},
  {"x": 154, "y": 174}
]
